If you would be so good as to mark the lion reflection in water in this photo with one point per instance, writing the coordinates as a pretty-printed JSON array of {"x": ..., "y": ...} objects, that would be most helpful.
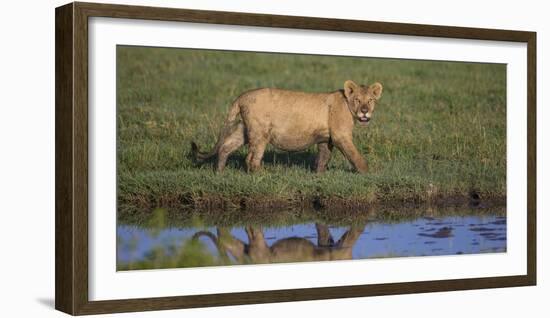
[{"x": 292, "y": 249}]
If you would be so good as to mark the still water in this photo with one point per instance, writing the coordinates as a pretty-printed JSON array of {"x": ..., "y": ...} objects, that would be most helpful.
[{"x": 168, "y": 246}]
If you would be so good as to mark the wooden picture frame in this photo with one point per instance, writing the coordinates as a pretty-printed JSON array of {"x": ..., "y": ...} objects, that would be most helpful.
[{"x": 71, "y": 90}]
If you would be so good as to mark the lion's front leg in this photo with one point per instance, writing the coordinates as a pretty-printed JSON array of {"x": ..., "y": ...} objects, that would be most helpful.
[
  {"x": 351, "y": 153},
  {"x": 323, "y": 156}
]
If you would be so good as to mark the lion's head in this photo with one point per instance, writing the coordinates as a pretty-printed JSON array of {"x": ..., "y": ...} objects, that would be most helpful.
[{"x": 362, "y": 100}]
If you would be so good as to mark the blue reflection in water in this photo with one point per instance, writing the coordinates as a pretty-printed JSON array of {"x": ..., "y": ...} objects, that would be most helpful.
[{"x": 420, "y": 237}]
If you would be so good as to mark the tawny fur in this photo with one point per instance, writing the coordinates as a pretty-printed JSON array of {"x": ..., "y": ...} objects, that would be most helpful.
[{"x": 294, "y": 121}]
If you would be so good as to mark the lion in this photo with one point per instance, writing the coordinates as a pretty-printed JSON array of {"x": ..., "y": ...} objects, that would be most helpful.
[{"x": 294, "y": 121}]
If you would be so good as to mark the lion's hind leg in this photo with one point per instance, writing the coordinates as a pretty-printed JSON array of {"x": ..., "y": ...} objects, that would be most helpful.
[
  {"x": 233, "y": 142},
  {"x": 256, "y": 148},
  {"x": 255, "y": 155}
]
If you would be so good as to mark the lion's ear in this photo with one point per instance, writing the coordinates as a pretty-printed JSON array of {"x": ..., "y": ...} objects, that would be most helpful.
[
  {"x": 349, "y": 88},
  {"x": 376, "y": 90}
]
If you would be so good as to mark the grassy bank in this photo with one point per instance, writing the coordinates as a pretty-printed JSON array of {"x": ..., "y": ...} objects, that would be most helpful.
[{"x": 438, "y": 132}]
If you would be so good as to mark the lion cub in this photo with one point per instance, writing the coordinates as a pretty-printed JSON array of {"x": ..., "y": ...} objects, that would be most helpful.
[{"x": 293, "y": 121}]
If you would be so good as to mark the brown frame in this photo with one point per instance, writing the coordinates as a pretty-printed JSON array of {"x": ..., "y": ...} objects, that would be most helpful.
[{"x": 71, "y": 157}]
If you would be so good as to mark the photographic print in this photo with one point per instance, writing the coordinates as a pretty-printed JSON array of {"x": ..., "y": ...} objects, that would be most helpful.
[{"x": 235, "y": 158}]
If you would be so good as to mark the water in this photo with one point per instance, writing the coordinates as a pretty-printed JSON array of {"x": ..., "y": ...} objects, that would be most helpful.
[{"x": 190, "y": 246}]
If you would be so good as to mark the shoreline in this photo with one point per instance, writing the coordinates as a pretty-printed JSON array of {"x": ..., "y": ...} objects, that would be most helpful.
[
  {"x": 284, "y": 216},
  {"x": 221, "y": 203}
]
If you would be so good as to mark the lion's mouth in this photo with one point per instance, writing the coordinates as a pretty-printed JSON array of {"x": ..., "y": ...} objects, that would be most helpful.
[{"x": 364, "y": 120}]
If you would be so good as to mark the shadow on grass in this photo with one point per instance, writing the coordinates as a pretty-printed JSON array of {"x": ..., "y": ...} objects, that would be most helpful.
[{"x": 301, "y": 159}]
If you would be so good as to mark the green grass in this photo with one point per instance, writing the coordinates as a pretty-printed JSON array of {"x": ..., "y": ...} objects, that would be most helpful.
[{"x": 439, "y": 130}]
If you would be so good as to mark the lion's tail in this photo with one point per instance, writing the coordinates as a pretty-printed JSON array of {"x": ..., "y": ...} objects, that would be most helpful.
[{"x": 227, "y": 128}]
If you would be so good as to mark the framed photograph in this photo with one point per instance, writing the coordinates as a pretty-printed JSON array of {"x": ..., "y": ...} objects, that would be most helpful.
[{"x": 219, "y": 158}]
